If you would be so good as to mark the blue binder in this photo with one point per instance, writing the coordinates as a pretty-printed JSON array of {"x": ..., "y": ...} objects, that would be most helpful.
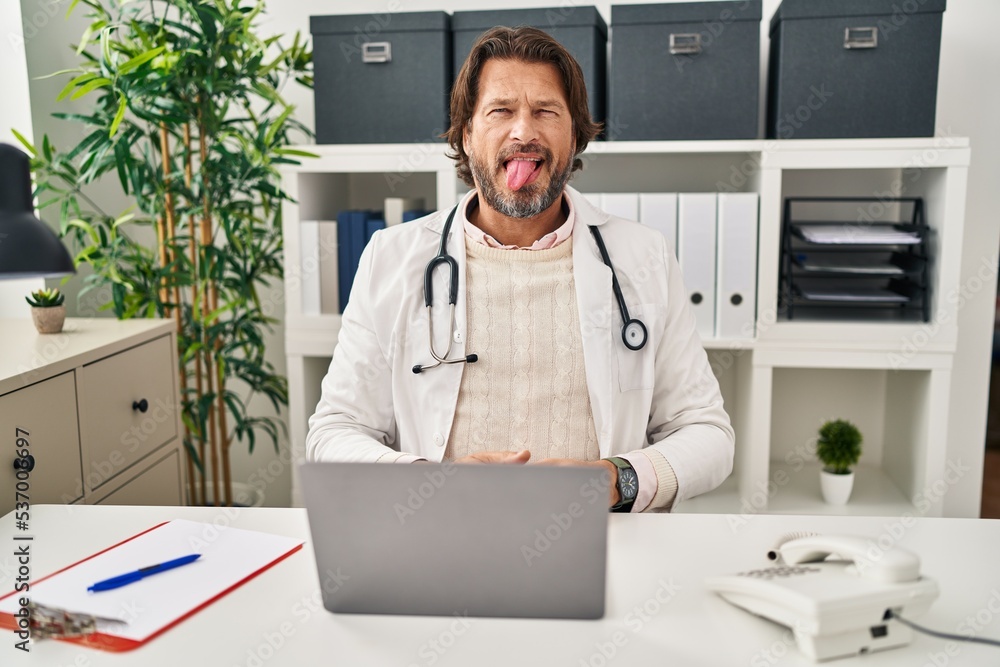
[
  {"x": 373, "y": 225},
  {"x": 344, "y": 275}
]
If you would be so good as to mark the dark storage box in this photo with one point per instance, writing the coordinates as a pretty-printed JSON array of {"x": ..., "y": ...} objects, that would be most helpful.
[
  {"x": 580, "y": 29},
  {"x": 854, "y": 68},
  {"x": 688, "y": 70},
  {"x": 381, "y": 78}
]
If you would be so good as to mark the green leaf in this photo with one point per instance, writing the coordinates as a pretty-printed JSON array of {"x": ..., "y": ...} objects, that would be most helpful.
[
  {"x": 123, "y": 218},
  {"x": 99, "y": 82},
  {"x": 86, "y": 227},
  {"x": 62, "y": 71},
  {"x": 141, "y": 59},
  {"x": 85, "y": 39},
  {"x": 24, "y": 142},
  {"x": 294, "y": 151},
  {"x": 74, "y": 82},
  {"x": 72, "y": 6},
  {"x": 122, "y": 104}
]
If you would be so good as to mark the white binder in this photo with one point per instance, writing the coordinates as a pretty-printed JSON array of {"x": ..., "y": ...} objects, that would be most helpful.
[
  {"x": 696, "y": 235},
  {"x": 736, "y": 301},
  {"x": 309, "y": 256},
  {"x": 329, "y": 297},
  {"x": 659, "y": 211},
  {"x": 393, "y": 208},
  {"x": 622, "y": 204}
]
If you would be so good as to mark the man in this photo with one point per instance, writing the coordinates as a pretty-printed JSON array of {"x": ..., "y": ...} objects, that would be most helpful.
[{"x": 537, "y": 367}]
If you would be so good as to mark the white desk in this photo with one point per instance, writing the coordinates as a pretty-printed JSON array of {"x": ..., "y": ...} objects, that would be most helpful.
[{"x": 278, "y": 618}]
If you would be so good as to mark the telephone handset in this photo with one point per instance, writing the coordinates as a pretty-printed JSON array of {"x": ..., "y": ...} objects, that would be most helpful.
[{"x": 834, "y": 592}]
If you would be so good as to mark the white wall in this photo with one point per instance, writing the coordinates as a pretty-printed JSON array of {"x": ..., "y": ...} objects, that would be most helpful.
[
  {"x": 968, "y": 105},
  {"x": 15, "y": 112}
]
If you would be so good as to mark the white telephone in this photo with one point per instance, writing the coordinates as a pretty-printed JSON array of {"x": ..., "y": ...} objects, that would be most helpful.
[{"x": 835, "y": 593}]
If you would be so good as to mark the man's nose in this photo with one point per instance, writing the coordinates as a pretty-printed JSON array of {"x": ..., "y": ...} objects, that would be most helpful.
[{"x": 525, "y": 128}]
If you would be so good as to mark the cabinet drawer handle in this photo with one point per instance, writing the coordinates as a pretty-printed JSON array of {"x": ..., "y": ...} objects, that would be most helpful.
[
  {"x": 376, "y": 52},
  {"x": 141, "y": 405},
  {"x": 25, "y": 463},
  {"x": 685, "y": 43},
  {"x": 861, "y": 38}
]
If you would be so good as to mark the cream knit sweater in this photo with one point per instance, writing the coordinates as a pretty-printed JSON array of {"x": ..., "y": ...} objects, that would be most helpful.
[{"x": 529, "y": 388}]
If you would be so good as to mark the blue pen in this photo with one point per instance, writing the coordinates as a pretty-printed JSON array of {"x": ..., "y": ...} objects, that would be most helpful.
[{"x": 141, "y": 573}]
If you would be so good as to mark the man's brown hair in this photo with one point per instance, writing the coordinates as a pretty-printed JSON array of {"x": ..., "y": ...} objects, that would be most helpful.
[{"x": 529, "y": 45}]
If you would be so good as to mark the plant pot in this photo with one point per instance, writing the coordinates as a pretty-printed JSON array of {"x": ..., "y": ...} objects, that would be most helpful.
[
  {"x": 244, "y": 495},
  {"x": 49, "y": 320},
  {"x": 836, "y": 488}
]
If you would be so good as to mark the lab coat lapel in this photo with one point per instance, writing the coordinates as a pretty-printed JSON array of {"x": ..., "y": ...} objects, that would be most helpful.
[{"x": 594, "y": 302}]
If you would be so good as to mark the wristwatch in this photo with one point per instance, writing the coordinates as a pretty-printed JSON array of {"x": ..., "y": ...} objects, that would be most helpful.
[{"x": 628, "y": 484}]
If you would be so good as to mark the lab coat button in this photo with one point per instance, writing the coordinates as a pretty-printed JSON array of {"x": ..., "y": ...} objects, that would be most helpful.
[
  {"x": 458, "y": 336},
  {"x": 438, "y": 439}
]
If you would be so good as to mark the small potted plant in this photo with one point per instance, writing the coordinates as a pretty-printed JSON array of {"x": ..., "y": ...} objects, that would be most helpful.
[
  {"x": 839, "y": 448},
  {"x": 47, "y": 310}
]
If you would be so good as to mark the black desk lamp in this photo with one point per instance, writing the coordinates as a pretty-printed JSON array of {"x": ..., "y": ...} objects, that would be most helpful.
[{"x": 28, "y": 248}]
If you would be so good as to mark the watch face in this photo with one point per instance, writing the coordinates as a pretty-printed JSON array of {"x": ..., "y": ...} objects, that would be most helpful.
[{"x": 628, "y": 484}]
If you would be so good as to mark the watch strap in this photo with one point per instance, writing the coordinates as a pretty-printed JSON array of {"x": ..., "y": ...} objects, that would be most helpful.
[{"x": 623, "y": 505}]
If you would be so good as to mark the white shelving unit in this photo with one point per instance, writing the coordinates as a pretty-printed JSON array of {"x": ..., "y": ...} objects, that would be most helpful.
[{"x": 891, "y": 378}]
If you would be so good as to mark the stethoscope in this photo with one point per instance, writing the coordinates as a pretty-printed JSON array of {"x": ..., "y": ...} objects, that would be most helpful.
[{"x": 633, "y": 331}]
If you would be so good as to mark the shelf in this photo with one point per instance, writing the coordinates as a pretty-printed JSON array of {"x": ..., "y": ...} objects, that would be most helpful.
[
  {"x": 848, "y": 354},
  {"x": 874, "y": 493},
  {"x": 311, "y": 335},
  {"x": 929, "y": 152},
  {"x": 796, "y": 490}
]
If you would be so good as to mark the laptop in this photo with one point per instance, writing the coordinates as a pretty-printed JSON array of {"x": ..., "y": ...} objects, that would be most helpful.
[{"x": 514, "y": 541}]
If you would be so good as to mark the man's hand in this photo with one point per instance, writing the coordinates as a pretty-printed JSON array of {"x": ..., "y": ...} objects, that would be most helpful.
[
  {"x": 497, "y": 457},
  {"x": 611, "y": 477}
]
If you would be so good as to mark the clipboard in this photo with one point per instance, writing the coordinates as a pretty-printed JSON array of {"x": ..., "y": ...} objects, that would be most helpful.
[{"x": 130, "y": 616}]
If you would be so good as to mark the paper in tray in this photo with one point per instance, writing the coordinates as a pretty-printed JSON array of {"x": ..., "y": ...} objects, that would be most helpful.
[
  {"x": 853, "y": 295},
  {"x": 856, "y": 235}
]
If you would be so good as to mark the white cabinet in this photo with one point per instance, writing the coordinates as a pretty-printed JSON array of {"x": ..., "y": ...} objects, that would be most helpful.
[
  {"x": 97, "y": 407},
  {"x": 128, "y": 408},
  {"x": 893, "y": 378},
  {"x": 41, "y": 418}
]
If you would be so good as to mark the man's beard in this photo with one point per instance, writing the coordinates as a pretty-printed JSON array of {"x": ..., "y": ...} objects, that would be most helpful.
[{"x": 528, "y": 201}]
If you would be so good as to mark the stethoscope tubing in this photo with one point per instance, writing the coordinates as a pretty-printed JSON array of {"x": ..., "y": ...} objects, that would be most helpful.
[{"x": 634, "y": 332}]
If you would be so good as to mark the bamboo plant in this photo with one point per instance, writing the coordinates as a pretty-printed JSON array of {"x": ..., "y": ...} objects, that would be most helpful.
[{"x": 189, "y": 117}]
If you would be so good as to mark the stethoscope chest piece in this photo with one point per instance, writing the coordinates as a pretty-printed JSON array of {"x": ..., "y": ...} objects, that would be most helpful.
[{"x": 634, "y": 334}]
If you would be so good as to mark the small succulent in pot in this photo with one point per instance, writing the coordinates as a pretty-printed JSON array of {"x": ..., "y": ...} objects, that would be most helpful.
[
  {"x": 46, "y": 298},
  {"x": 47, "y": 310}
]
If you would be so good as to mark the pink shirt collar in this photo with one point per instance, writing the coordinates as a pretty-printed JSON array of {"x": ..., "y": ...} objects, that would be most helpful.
[{"x": 550, "y": 240}]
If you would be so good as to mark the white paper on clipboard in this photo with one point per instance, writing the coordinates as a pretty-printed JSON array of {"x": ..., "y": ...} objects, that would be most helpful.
[{"x": 229, "y": 556}]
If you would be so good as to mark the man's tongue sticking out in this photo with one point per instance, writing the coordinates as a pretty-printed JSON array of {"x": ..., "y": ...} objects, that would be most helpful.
[{"x": 518, "y": 173}]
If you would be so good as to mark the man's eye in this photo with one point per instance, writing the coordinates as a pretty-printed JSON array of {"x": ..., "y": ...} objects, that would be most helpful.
[{"x": 499, "y": 110}]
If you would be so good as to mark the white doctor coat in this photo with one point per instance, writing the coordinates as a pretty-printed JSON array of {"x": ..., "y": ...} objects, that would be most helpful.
[{"x": 663, "y": 396}]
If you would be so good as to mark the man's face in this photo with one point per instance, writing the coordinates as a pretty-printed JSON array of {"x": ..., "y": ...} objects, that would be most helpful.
[{"x": 520, "y": 142}]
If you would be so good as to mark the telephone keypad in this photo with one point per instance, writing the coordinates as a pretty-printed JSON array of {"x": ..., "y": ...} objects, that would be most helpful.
[{"x": 783, "y": 571}]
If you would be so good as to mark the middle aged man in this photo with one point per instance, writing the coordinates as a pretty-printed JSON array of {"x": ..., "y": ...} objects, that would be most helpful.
[{"x": 538, "y": 364}]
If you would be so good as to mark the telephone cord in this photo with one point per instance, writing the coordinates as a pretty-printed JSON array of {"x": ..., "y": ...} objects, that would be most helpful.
[{"x": 942, "y": 635}]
